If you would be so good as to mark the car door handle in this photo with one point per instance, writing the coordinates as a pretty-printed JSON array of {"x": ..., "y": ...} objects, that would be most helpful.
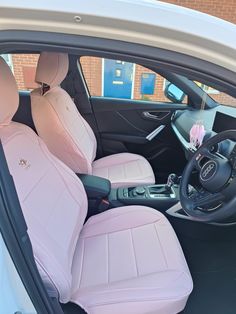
[
  {"x": 156, "y": 115},
  {"x": 154, "y": 133}
]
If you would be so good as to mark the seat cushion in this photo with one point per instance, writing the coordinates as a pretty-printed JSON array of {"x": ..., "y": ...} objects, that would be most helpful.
[
  {"x": 128, "y": 260},
  {"x": 124, "y": 170}
]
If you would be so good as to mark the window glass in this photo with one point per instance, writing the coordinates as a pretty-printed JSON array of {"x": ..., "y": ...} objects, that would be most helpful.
[
  {"x": 24, "y": 68},
  {"x": 218, "y": 96},
  {"x": 120, "y": 79}
]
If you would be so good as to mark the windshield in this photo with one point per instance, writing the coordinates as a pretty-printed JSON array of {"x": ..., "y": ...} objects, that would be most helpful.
[{"x": 219, "y": 96}]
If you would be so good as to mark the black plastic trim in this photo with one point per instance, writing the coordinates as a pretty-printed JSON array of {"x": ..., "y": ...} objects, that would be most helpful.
[
  {"x": 124, "y": 138},
  {"x": 95, "y": 187}
]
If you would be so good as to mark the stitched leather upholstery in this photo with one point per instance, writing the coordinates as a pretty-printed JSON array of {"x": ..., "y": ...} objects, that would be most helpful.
[
  {"x": 70, "y": 138},
  {"x": 124, "y": 170},
  {"x": 128, "y": 260}
]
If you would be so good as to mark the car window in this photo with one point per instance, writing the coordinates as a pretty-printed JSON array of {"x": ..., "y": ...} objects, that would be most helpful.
[
  {"x": 218, "y": 96},
  {"x": 121, "y": 79},
  {"x": 23, "y": 67}
]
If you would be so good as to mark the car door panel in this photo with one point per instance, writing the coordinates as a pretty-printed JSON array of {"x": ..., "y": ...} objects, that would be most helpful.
[{"x": 123, "y": 115}]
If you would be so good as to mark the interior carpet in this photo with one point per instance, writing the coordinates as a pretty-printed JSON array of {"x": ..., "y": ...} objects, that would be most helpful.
[{"x": 213, "y": 268}]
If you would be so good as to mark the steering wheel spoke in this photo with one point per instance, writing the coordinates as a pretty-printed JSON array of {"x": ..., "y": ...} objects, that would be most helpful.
[
  {"x": 205, "y": 200},
  {"x": 205, "y": 153},
  {"x": 196, "y": 163},
  {"x": 209, "y": 155}
]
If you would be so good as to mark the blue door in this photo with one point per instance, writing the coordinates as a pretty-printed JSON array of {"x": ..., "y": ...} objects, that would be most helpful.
[{"x": 118, "y": 77}]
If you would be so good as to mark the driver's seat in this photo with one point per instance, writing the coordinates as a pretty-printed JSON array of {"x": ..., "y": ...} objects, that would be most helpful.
[{"x": 125, "y": 260}]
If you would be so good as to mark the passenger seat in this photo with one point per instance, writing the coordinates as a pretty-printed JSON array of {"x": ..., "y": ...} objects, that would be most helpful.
[{"x": 69, "y": 136}]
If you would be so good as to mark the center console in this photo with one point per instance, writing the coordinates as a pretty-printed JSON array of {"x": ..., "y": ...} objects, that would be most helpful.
[
  {"x": 97, "y": 190},
  {"x": 163, "y": 197},
  {"x": 102, "y": 197},
  {"x": 160, "y": 196}
]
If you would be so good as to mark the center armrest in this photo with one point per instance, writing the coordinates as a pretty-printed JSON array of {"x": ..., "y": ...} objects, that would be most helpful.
[{"x": 95, "y": 187}]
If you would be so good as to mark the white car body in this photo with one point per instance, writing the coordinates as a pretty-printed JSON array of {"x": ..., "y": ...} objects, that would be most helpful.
[{"x": 148, "y": 22}]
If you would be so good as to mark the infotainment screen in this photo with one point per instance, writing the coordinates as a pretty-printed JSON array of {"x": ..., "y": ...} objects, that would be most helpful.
[{"x": 223, "y": 122}]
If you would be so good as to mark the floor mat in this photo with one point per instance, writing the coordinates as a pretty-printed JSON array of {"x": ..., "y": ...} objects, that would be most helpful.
[{"x": 213, "y": 268}]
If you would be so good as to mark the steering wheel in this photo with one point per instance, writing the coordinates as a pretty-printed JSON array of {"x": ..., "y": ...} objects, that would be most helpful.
[{"x": 214, "y": 197}]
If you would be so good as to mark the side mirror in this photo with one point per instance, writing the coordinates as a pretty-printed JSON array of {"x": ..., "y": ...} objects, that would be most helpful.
[{"x": 173, "y": 93}]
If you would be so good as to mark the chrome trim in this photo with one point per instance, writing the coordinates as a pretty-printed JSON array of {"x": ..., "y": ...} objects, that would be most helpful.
[
  {"x": 154, "y": 133},
  {"x": 148, "y": 115},
  {"x": 160, "y": 195},
  {"x": 174, "y": 211},
  {"x": 207, "y": 170}
]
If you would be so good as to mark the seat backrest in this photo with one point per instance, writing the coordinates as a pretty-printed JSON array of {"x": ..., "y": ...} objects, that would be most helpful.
[
  {"x": 56, "y": 118},
  {"x": 52, "y": 197}
]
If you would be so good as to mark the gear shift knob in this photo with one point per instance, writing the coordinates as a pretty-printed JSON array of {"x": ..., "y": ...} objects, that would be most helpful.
[{"x": 172, "y": 179}]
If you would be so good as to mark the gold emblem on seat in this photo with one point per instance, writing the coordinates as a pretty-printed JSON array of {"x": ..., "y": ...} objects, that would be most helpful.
[{"x": 24, "y": 163}]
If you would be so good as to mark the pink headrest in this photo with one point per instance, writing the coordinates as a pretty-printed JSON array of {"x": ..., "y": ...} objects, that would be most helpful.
[
  {"x": 9, "y": 96},
  {"x": 52, "y": 68}
]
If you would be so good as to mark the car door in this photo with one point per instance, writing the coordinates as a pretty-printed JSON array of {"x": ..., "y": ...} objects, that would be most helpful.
[{"x": 132, "y": 112}]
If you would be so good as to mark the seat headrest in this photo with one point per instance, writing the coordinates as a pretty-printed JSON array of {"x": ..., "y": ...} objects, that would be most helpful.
[
  {"x": 52, "y": 68},
  {"x": 9, "y": 96}
]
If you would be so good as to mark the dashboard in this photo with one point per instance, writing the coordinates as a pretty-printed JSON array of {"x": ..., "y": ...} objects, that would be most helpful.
[{"x": 215, "y": 120}]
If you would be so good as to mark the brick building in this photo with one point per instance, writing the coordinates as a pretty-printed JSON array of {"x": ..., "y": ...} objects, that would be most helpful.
[{"x": 23, "y": 65}]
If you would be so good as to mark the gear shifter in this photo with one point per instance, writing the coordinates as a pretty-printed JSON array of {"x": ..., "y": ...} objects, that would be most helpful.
[
  {"x": 165, "y": 189},
  {"x": 172, "y": 180}
]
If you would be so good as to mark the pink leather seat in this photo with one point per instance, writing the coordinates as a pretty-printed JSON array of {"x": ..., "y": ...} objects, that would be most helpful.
[
  {"x": 69, "y": 137},
  {"x": 128, "y": 260},
  {"x": 125, "y": 260}
]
